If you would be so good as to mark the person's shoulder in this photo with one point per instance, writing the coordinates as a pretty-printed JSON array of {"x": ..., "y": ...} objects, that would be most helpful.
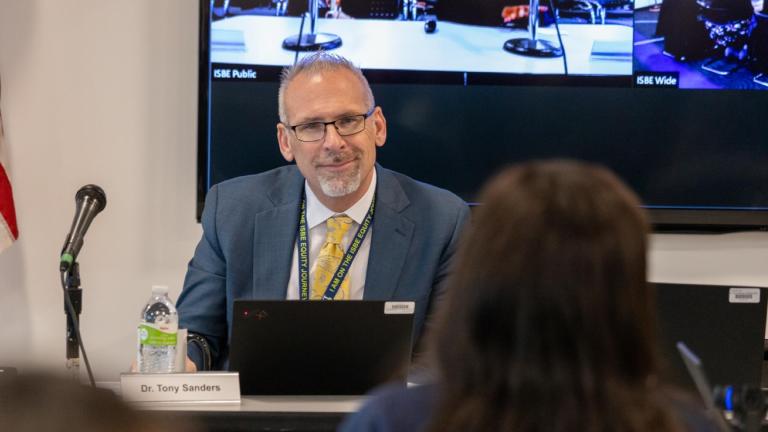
[
  {"x": 393, "y": 408},
  {"x": 267, "y": 186},
  {"x": 421, "y": 192},
  {"x": 395, "y": 396},
  {"x": 247, "y": 195},
  {"x": 256, "y": 183}
]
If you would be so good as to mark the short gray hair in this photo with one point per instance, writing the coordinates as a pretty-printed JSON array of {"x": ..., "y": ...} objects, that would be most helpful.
[{"x": 317, "y": 63}]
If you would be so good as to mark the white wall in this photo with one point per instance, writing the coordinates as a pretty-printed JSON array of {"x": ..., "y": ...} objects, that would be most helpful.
[
  {"x": 97, "y": 92},
  {"x": 104, "y": 92}
]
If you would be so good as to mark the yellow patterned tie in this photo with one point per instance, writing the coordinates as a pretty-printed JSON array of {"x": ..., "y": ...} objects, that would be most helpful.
[{"x": 329, "y": 258}]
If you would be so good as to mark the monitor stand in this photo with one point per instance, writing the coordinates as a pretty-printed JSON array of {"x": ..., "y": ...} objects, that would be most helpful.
[{"x": 531, "y": 46}]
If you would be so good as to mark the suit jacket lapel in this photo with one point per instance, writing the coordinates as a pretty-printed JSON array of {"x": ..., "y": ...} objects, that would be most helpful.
[
  {"x": 392, "y": 234},
  {"x": 274, "y": 238}
]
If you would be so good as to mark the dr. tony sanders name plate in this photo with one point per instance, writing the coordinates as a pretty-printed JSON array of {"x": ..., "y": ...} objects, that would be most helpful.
[{"x": 200, "y": 387}]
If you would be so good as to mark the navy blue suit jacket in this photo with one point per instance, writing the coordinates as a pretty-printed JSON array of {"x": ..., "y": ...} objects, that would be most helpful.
[{"x": 249, "y": 232}]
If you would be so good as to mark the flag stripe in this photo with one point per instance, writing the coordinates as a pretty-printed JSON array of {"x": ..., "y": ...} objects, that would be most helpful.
[
  {"x": 9, "y": 231},
  {"x": 7, "y": 212}
]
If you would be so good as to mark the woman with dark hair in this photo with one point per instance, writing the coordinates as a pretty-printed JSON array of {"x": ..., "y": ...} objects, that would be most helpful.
[
  {"x": 43, "y": 402},
  {"x": 549, "y": 324}
]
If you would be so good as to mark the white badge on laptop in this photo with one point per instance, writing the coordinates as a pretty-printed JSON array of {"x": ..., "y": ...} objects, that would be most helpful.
[
  {"x": 399, "y": 307},
  {"x": 744, "y": 295}
]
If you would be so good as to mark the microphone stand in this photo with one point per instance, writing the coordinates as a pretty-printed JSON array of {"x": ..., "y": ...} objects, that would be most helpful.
[
  {"x": 312, "y": 41},
  {"x": 531, "y": 46},
  {"x": 72, "y": 290}
]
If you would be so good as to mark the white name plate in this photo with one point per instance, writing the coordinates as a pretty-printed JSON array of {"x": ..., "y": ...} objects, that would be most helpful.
[{"x": 200, "y": 387}]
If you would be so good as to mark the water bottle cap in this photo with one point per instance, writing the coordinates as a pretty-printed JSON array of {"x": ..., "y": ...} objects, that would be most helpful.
[{"x": 159, "y": 289}]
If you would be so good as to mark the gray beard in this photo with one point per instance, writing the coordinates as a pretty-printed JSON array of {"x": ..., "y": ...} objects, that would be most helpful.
[{"x": 339, "y": 186}]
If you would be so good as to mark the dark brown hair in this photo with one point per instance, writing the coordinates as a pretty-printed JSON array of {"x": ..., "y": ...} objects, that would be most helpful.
[
  {"x": 549, "y": 324},
  {"x": 45, "y": 402}
]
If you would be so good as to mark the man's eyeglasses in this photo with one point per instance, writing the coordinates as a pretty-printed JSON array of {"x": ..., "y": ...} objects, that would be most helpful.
[{"x": 315, "y": 131}]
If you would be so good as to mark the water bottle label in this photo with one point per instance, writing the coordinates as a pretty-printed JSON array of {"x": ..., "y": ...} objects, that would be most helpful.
[{"x": 149, "y": 335}]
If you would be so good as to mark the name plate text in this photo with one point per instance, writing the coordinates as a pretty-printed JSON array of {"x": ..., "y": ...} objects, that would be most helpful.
[{"x": 200, "y": 387}]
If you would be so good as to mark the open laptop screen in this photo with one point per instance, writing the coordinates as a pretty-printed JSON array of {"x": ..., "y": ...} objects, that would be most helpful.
[
  {"x": 319, "y": 347},
  {"x": 723, "y": 325}
]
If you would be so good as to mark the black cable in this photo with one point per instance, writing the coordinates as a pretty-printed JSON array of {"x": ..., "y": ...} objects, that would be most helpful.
[
  {"x": 76, "y": 325},
  {"x": 298, "y": 41},
  {"x": 559, "y": 38}
]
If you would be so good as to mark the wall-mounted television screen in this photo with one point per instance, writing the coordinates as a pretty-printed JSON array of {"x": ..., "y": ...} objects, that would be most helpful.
[{"x": 670, "y": 94}]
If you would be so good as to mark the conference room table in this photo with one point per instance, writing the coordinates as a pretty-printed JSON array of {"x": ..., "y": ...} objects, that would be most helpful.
[
  {"x": 257, "y": 413},
  {"x": 591, "y": 49},
  {"x": 260, "y": 413}
]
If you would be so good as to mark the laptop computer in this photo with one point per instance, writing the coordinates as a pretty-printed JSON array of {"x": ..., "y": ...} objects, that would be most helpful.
[
  {"x": 696, "y": 371},
  {"x": 319, "y": 347},
  {"x": 723, "y": 325}
]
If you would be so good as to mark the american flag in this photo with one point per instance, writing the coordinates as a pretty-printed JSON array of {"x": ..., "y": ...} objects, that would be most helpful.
[{"x": 9, "y": 231}]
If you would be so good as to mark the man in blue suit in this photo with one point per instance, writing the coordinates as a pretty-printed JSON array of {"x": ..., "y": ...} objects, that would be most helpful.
[{"x": 399, "y": 234}]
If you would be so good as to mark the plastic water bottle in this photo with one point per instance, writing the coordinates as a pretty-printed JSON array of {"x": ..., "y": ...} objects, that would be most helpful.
[{"x": 157, "y": 333}]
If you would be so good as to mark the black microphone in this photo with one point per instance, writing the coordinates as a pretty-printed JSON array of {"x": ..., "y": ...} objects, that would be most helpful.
[{"x": 89, "y": 201}]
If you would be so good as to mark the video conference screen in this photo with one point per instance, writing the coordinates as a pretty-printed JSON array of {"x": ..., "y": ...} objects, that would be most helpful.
[{"x": 670, "y": 94}]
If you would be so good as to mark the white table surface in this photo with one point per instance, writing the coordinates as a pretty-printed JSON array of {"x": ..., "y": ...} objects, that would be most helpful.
[
  {"x": 271, "y": 404},
  {"x": 403, "y": 45}
]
